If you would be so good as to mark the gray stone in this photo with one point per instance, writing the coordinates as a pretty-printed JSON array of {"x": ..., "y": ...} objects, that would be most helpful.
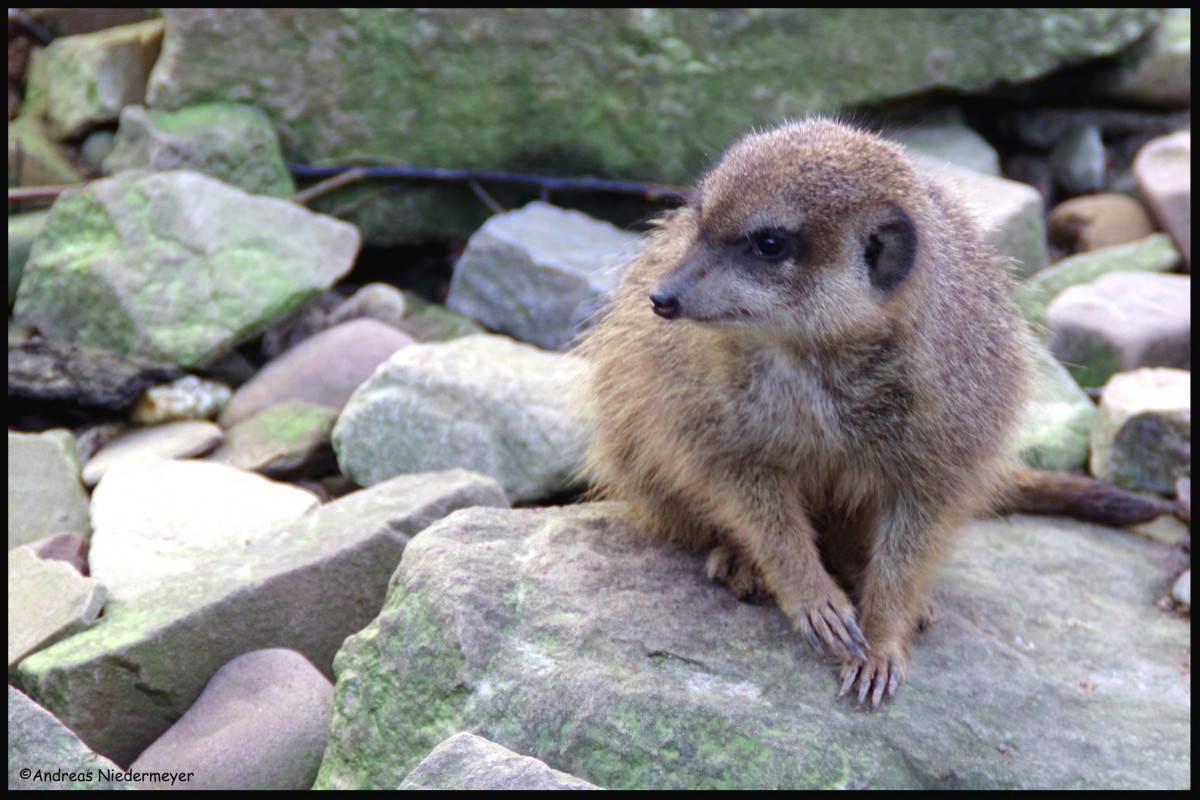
[
  {"x": 35, "y": 160},
  {"x": 281, "y": 440},
  {"x": 71, "y": 548},
  {"x": 175, "y": 266},
  {"x": 82, "y": 81},
  {"x": 23, "y": 230},
  {"x": 172, "y": 440},
  {"x": 469, "y": 762},
  {"x": 1157, "y": 70},
  {"x": 951, "y": 141},
  {"x": 324, "y": 369},
  {"x": 1056, "y": 425},
  {"x": 1142, "y": 437},
  {"x": 483, "y": 402},
  {"x": 1093, "y": 221},
  {"x": 433, "y": 322},
  {"x": 90, "y": 376},
  {"x": 1079, "y": 162},
  {"x": 1119, "y": 322},
  {"x": 308, "y": 585},
  {"x": 261, "y": 723},
  {"x": 653, "y": 96},
  {"x": 561, "y": 634},
  {"x": 47, "y": 602},
  {"x": 44, "y": 493},
  {"x": 158, "y": 521},
  {"x": 1167, "y": 529},
  {"x": 235, "y": 144},
  {"x": 185, "y": 399},
  {"x": 540, "y": 274},
  {"x": 1010, "y": 214},
  {"x": 93, "y": 436},
  {"x": 1163, "y": 168},
  {"x": 1155, "y": 253},
  {"x": 380, "y": 301},
  {"x": 44, "y": 754},
  {"x": 97, "y": 147}
]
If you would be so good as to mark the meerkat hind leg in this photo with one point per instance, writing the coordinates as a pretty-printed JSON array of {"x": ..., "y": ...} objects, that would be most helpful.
[{"x": 727, "y": 565}]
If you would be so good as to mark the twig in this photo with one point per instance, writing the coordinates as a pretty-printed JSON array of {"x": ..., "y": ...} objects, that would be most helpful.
[
  {"x": 328, "y": 185},
  {"x": 485, "y": 198},
  {"x": 20, "y": 193},
  {"x": 34, "y": 28},
  {"x": 333, "y": 178},
  {"x": 650, "y": 191}
]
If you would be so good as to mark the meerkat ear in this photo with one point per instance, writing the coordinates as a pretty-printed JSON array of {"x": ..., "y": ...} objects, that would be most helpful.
[{"x": 891, "y": 250}]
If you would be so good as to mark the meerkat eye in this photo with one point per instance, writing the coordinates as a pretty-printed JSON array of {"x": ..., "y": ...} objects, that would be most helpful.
[{"x": 770, "y": 245}]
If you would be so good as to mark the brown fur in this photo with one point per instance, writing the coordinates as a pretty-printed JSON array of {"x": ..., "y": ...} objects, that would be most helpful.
[
  {"x": 819, "y": 422},
  {"x": 1032, "y": 491}
]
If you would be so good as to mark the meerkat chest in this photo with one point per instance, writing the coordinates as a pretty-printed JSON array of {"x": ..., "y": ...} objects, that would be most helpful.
[
  {"x": 793, "y": 407},
  {"x": 785, "y": 408}
]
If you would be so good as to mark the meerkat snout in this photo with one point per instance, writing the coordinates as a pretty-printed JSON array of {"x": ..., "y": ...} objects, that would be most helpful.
[{"x": 664, "y": 305}]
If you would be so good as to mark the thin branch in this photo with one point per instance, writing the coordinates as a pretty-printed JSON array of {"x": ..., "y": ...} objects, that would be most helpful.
[
  {"x": 650, "y": 191},
  {"x": 336, "y": 177},
  {"x": 20, "y": 193},
  {"x": 328, "y": 185},
  {"x": 486, "y": 198},
  {"x": 34, "y": 28}
]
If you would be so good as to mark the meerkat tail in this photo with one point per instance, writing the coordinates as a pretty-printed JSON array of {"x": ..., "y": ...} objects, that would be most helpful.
[{"x": 1035, "y": 491}]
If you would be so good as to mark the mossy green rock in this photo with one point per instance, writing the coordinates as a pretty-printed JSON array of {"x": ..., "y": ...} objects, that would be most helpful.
[
  {"x": 45, "y": 495},
  {"x": 1142, "y": 438},
  {"x": 562, "y": 635},
  {"x": 175, "y": 266},
  {"x": 23, "y": 230},
  {"x": 35, "y": 160},
  {"x": 646, "y": 94},
  {"x": 1057, "y": 421},
  {"x": 44, "y": 754},
  {"x": 1155, "y": 253},
  {"x": 82, "y": 81},
  {"x": 233, "y": 143}
]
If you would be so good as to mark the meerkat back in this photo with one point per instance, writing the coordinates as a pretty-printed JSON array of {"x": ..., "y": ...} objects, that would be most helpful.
[{"x": 811, "y": 372}]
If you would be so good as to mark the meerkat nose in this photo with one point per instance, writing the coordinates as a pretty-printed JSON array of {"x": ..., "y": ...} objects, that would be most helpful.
[{"x": 665, "y": 306}]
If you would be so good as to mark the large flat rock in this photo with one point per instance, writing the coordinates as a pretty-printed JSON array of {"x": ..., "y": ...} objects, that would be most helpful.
[{"x": 559, "y": 634}]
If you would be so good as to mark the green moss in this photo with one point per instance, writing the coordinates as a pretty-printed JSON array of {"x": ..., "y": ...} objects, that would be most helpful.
[
  {"x": 644, "y": 746},
  {"x": 393, "y": 719},
  {"x": 1155, "y": 253},
  {"x": 59, "y": 279}
]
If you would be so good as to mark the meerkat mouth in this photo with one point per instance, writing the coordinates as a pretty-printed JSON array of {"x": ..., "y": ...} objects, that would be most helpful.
[{"x": 672, "y": 311}]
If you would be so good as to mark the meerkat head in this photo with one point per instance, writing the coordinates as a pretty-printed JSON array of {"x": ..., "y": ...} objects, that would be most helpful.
[{"x": 807, "y": 230}]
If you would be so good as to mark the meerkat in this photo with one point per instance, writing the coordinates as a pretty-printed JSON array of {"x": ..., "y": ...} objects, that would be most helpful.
[{"x": 811, "y": 372}]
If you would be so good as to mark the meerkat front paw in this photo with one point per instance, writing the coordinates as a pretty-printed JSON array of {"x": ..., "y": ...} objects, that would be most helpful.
[
  {"x": 831, "y": 621},
  {"x": 877, "y": 676}
]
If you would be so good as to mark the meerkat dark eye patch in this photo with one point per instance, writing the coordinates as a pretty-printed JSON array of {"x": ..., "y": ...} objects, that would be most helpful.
[
  {"x": 891, "y": 250},
  {"x": 774, "y": 245}
]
